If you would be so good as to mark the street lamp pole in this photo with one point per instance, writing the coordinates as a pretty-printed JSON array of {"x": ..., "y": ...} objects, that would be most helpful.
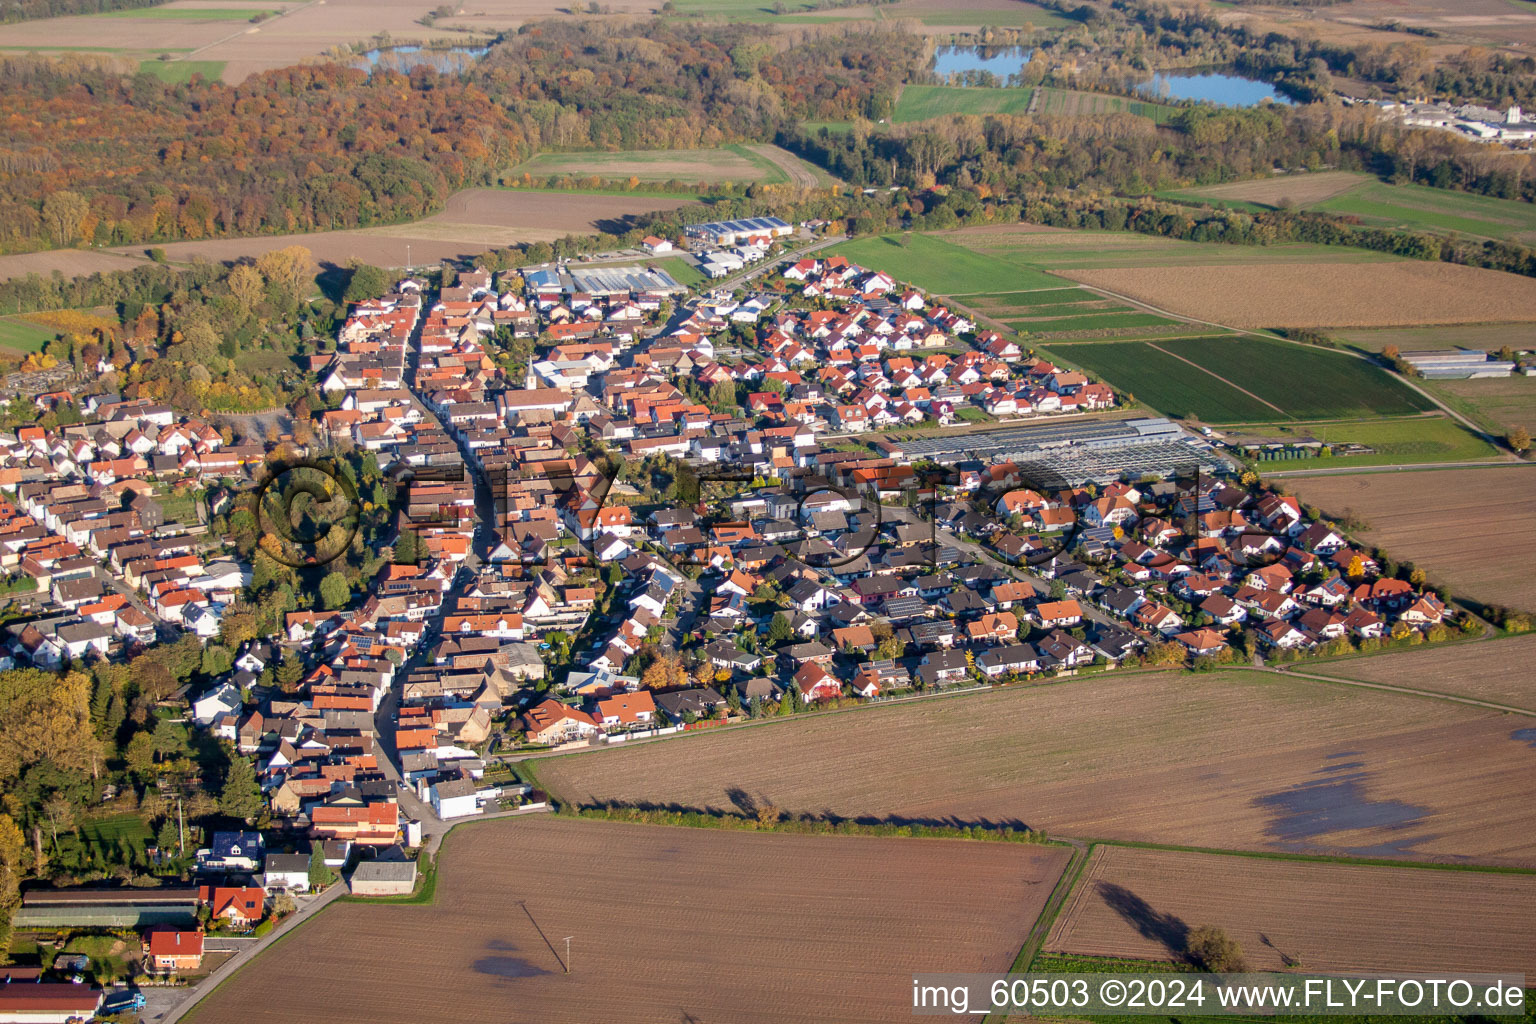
[{"x": 567, "y": 954}]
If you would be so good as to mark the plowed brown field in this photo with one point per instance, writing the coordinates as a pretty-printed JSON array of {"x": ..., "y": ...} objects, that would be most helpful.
[
  {"x": 1326, "y": 917},
  {"x": 667, "y": 925},
  {"x": 1326, "y": 295},
  {"x": 1235, "y": 760},
  {"x": 1471, "y": 529},
  {"x": 1495, "y": 670},
  {"x": 472, "y": 222}
]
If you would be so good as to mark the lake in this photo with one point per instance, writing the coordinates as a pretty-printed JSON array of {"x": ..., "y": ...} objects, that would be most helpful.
[
  {"x": 1220, "y": 87},
  {"x": 969, "y": 62},
  {"x": 403, "y": 58}
]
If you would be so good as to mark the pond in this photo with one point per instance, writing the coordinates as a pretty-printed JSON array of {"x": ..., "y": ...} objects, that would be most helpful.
[
  {"x": 1220, "y": 87},
  {"x": 970, "y": 63},
  {"x": 403, "y": 58}
]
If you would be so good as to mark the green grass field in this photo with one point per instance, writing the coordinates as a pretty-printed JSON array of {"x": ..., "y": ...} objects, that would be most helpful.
[
  {"x": 1297, "y": 382},
  {"x": 1380, "y": 204},
  {"x": 1075, "y": 103},
  {"x": 18, "y": 334},
  {"x": 1397, "y": 441},
  {"x": 940, "y": 267},
  {"x": 1306, "y": 382},
  {"x": 1109, "y": 320},
  {"x": 1031, "y": 300},
  {"x": 920, "y": 102},
  {"x": 176, "y": 71},
  {"x": 1166, "y": 384},
  {"x": 190, "y": 13},
  {"x": 728, "y": 163},
  {"x": 1434, "y": 209},
  {"x": 1497, "y": 404},
  {"x": 682, "y": 271},
  {"x": 1092, "y": 250},
  {"x": 128, "y": 828}
]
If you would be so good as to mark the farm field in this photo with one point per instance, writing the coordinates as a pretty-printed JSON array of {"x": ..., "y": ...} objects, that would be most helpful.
[
  {"x": 1401, "y": 292},
  {"x": 1168, "y": 384},
  {"x": 940, "y": 267},
  {"x": 472, "y": 222},
  {"x": 1074, "y": 103},
  {"x": 1398, "y": 441},
  {"x": 1088, "y": 321},
  {"x": 1140, "y": 904},
  {"x": 19, "y": 334},
  {"x": 69, "y": 262},
  {"x": 1411, "y": 339},
  {"x": 1498, "y": 404},
  {"x": 1304, "y": 381},
  {"x": 709, "y": 166},
  {"x": 1456, "y": 23},
  {"x": 183, "y": 70},
  {"x": 1377, "y": 203},
  {"x": 1297, "y": 190},
  {"x": 1066, "y": 249},
  {"x": 921, "y": 102},
  {"x": 1233, "y": 760},
  {"x": 1226, "y": 379},
  {"x": 781, "y": 930},
  {"x": 1471, "y": 529},
  {"x": 1495, "y": 670}
]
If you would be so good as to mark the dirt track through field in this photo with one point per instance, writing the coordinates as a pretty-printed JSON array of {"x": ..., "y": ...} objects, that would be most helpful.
[
  {"x": 1224, "y": 380},
  {"x": 666, "y": 925},
  {"x": 1316, "y": 917},
  {"x": 1237, "y": 760}
]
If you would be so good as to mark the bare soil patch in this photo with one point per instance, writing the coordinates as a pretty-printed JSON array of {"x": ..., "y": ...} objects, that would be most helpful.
[
  {"x": 1471, "y": 529},
  {"x": 1234, "y": 760},
  {"x": 1326, "y": 295},
  {"x": 69, "y": 262},
  {"x": 667, "y": 924},
  {"x": 1318, "y": 917},
  {"x": 472, "y": 222},
  {"x": 1299, "y": 189},
  {"x": 1497, "y": 670}
]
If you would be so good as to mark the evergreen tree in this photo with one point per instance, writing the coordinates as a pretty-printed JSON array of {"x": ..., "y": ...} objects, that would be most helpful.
[
  {"x": 241, "y": 797},
  {"x": 779, "y": 629}
]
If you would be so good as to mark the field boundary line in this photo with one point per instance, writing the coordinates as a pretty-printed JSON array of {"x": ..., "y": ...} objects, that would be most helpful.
[
  {"x": 1392, "y": 688},
  {"x": 1457, "y": 698},
  {"x": 1213, "y": 373},
  {"x": 1315, "y": 858},
  {"x": 1034, "y": 939},
  {"x": 1271, "y": 336},
  {"x": 244, "y": 31}
]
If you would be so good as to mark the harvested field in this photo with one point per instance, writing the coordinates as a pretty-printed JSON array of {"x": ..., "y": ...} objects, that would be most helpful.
[
  {"x": 473, "y": 221},
  {"x": 1326, "y": 295},
  {"x": 711, "y": 166},
  {"x": 1496, "y": 670},
  {"x": 1233, "y": 760},
  {"x": 806, "y": 928},
  {"x": 1061, "y": 248},
  {"x": 1140, "y": 904},
  {"x": 1498, "y": 404},
  {"x": 1298, "y": 189},
  {"x": 1410, "y": 339},
  {"x": 1471, "y": 529},
  {"x": 69, "y": 262}
]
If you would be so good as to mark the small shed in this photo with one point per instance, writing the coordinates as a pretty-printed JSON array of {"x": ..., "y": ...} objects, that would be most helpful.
[{"x": 384, "y": 878}]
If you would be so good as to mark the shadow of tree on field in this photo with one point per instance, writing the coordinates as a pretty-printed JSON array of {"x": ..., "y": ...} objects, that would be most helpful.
[{"x": 1168, "y": 929}]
